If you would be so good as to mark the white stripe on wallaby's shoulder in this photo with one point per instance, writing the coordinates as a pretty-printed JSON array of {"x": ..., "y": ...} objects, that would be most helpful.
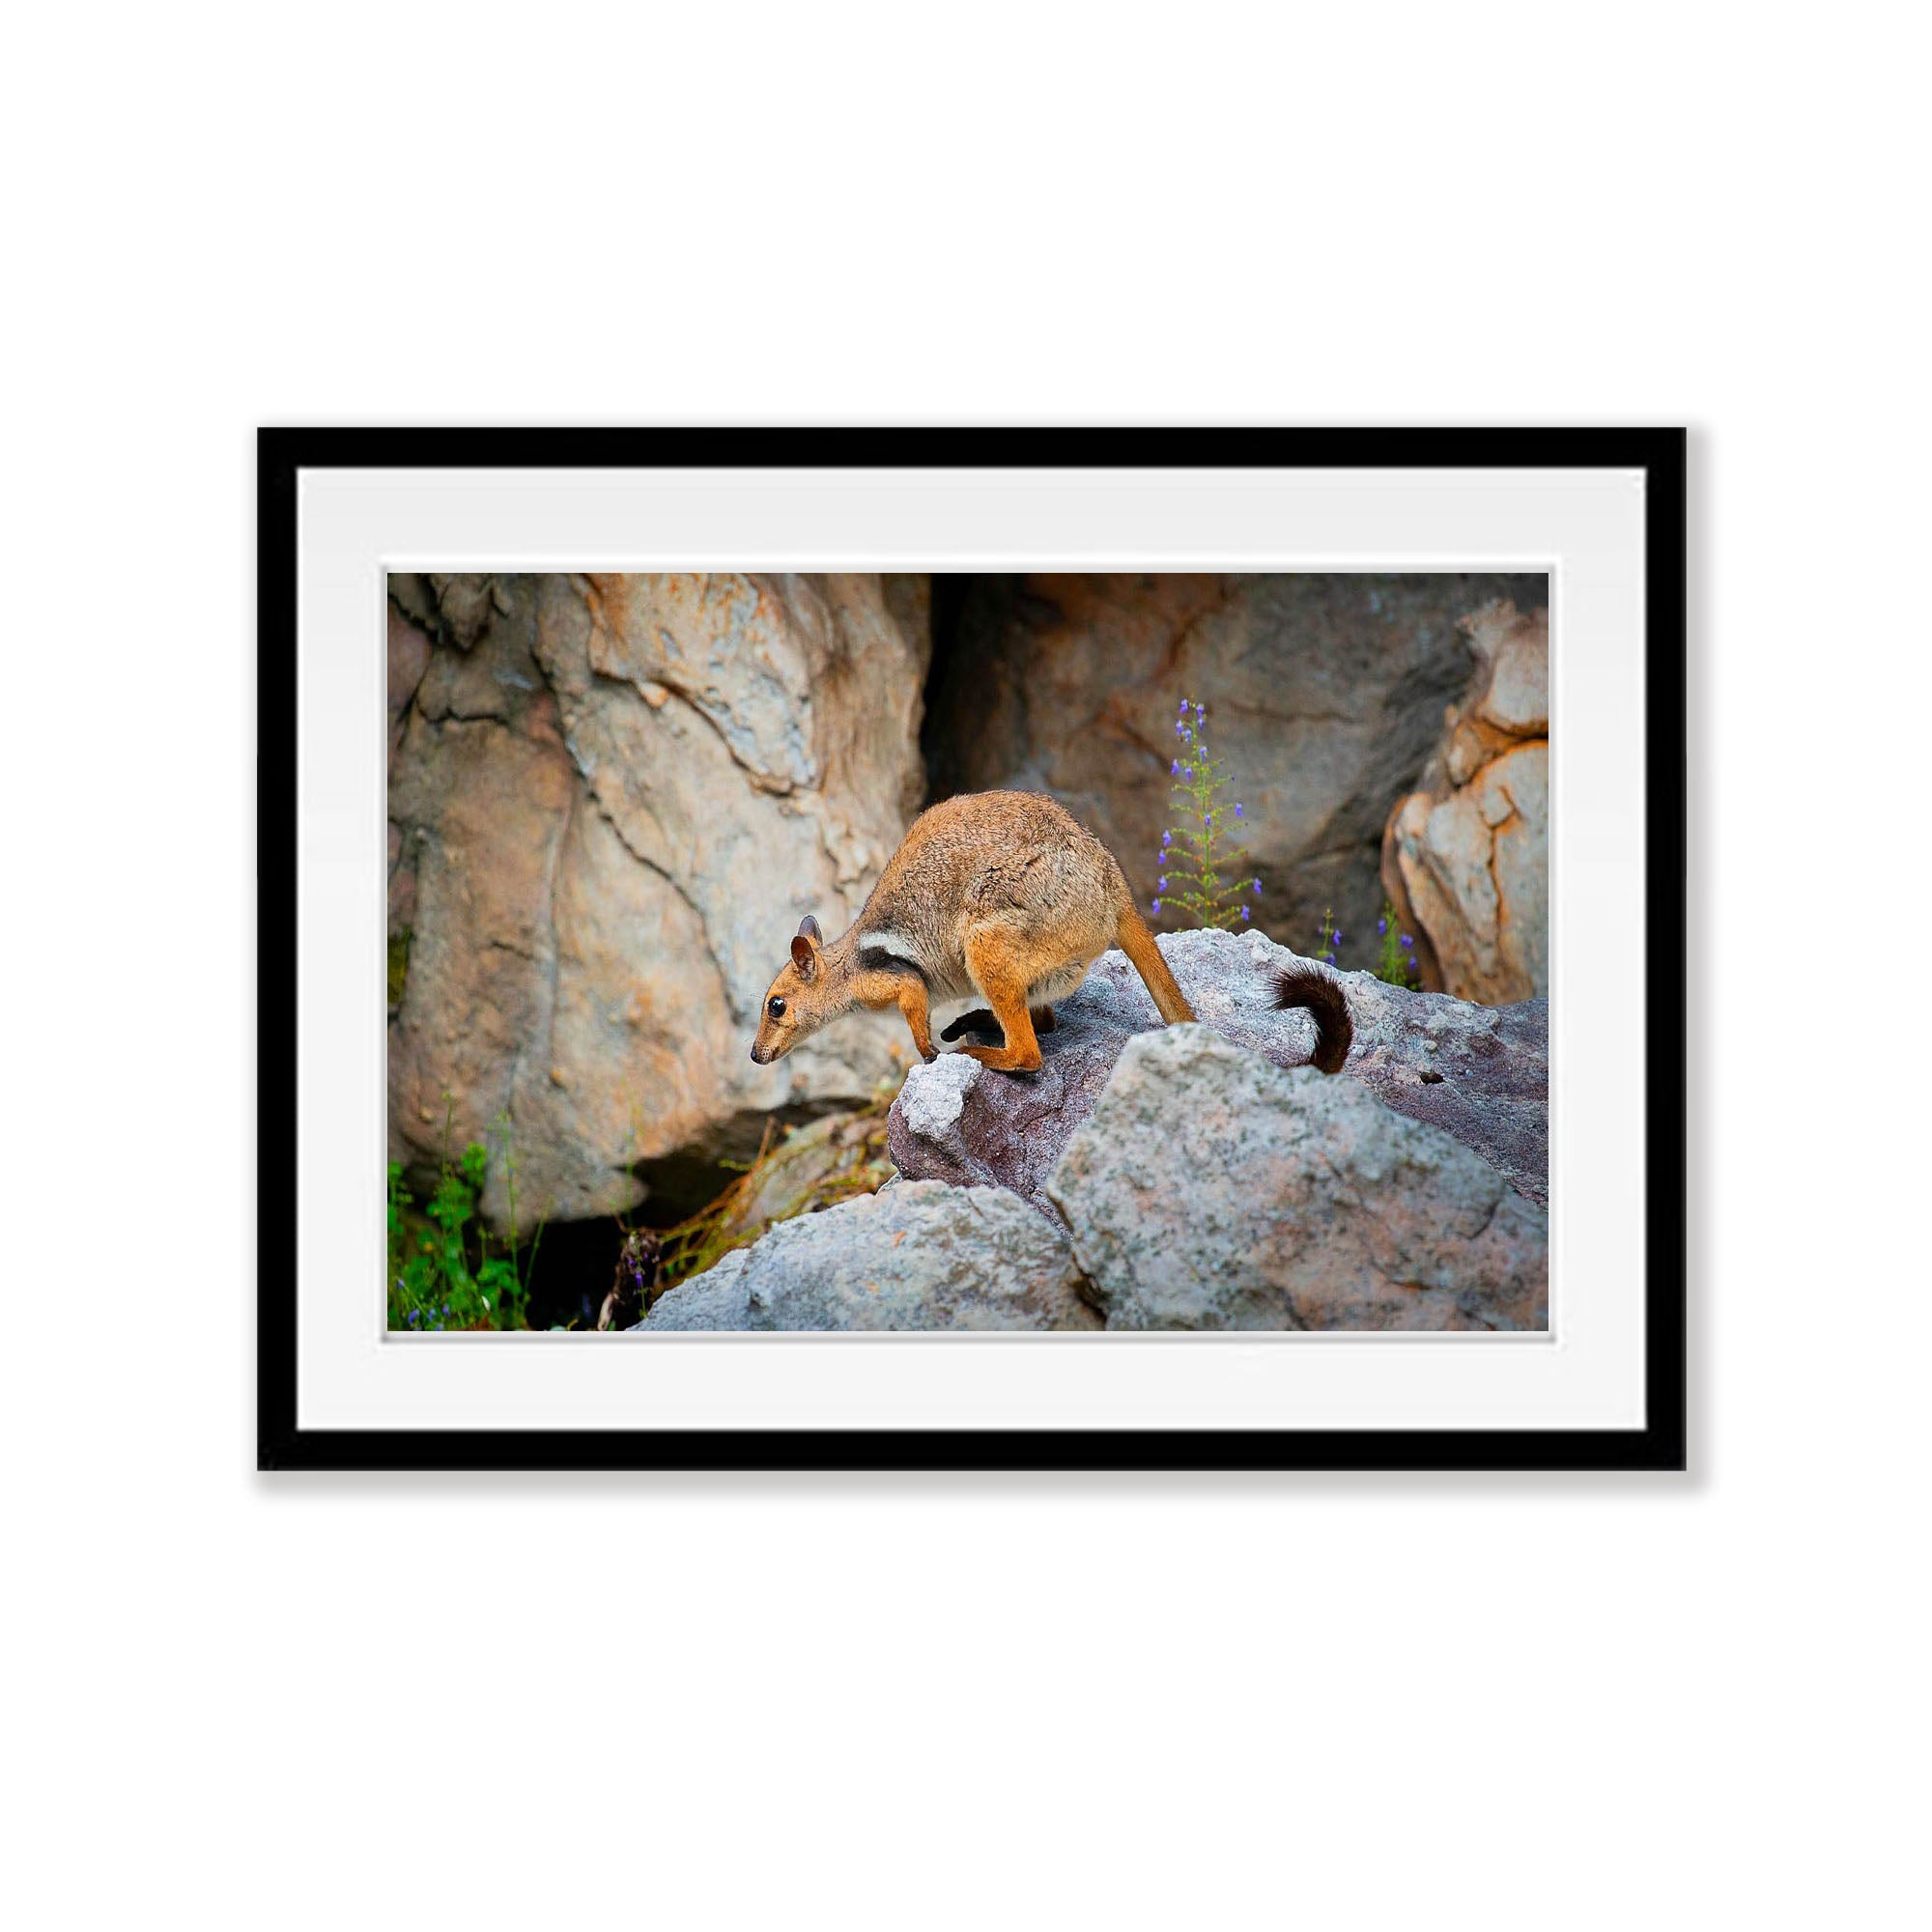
[{"x": 895, "y": 943}]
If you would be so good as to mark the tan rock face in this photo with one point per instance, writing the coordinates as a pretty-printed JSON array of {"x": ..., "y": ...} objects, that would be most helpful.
[
  {"x": 611, "y": 800},
  {"x": 1465, "y": 859}
]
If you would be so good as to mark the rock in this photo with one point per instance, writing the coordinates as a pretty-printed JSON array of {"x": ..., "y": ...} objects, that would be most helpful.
[
  {"x": 955, "y": 1120},
  {"x": 409, "y": 659},
  {"x": 803, "y": 1171},
  {"x": 1478, "y": 1074},
  {"x": 1210, "y": 1190},
  {"x": 717, "y": 1298},
  {"x": 809, "y": 1168},
  {"x": 919, "y": 1254},
  {"x": 468, "y": 605},
  {"x": 1465, "y": 859},
  {"x": 1326, "y": 693},
  {"x": 1204, "y": 1187},
  {"x": 611, "y": 800}
]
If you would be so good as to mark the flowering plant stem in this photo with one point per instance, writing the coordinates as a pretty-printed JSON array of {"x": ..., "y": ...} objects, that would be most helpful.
[{"x": 1200, "y": 851}]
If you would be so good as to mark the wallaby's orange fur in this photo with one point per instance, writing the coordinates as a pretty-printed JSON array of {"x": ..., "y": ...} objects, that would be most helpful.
[{"x": 1000, "y": 893}]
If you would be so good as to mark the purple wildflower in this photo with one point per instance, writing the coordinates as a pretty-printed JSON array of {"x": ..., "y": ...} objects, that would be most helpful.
[
  {"x": 1245, "y": 915},
  {"x": 1382, "y": 925},
  {"x": 1407, "y": 940},
  {"x": 1258, "y": 888},
  {"x": 1237, "y": 812},
  {"x": 1174, "y": 770},
  {"x": 1163, "y": 883},
  {"x": 1166, "y": 840},
  {"x": 1187, "y": 771},
  {"x": 1156, "y": 905}
]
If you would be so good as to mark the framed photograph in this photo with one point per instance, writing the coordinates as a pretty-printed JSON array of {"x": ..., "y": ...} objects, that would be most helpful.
[{"x": 1129, "y": 949}]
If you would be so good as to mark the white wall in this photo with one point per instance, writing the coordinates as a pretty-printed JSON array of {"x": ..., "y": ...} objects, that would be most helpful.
[{"x": 1376, "y": 1702}]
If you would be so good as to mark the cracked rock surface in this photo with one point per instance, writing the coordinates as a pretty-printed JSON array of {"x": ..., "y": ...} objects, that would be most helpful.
[
  {"x": 1465, "y": 857},
  {"x": 610, "y": 801},
  {"x": 1478, "y": 1073},
  {"x": 1211, "y": 1190}
]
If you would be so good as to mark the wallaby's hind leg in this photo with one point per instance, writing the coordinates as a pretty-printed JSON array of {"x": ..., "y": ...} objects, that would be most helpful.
[
  {"x": 999, "y": 975},
  {"x": 1137, "y": 943}
]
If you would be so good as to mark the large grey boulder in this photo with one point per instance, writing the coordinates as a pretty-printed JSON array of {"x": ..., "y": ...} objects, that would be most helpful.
[
  {"x": 611, "y": 799},
  {"x": 1210, "y": 1190},
  {"x": 1478, "y": 1073},
  {"x": 916, "y": 1255}
]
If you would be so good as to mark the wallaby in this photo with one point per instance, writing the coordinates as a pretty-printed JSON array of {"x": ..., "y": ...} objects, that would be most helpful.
[{"x": 999, "y": 894}]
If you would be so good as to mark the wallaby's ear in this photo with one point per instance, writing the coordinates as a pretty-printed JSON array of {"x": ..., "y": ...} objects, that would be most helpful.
[
  {"x": 808, "y": 929},
  {"x": 805, "y": 957}
]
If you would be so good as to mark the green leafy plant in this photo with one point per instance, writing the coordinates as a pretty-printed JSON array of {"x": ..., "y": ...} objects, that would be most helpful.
[
  {"x": 1397, "y": 961},
  {"x": 510, "y": 1273},
  {"x": 1203, "y": 871},
  {"x": 432, "y": 1282}
]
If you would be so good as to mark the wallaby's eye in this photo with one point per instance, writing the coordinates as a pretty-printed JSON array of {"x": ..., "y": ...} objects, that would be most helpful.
[{"x": 776, "y": 1008}]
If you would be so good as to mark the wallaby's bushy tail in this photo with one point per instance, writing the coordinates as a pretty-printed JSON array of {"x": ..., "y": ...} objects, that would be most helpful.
[
  {"x": 1322, "y": 996},
  {"x": 1137, "y": 943}
]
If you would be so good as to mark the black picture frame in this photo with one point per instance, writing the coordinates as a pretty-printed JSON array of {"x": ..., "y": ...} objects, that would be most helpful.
[{"x": 1660, "y": 1444}]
